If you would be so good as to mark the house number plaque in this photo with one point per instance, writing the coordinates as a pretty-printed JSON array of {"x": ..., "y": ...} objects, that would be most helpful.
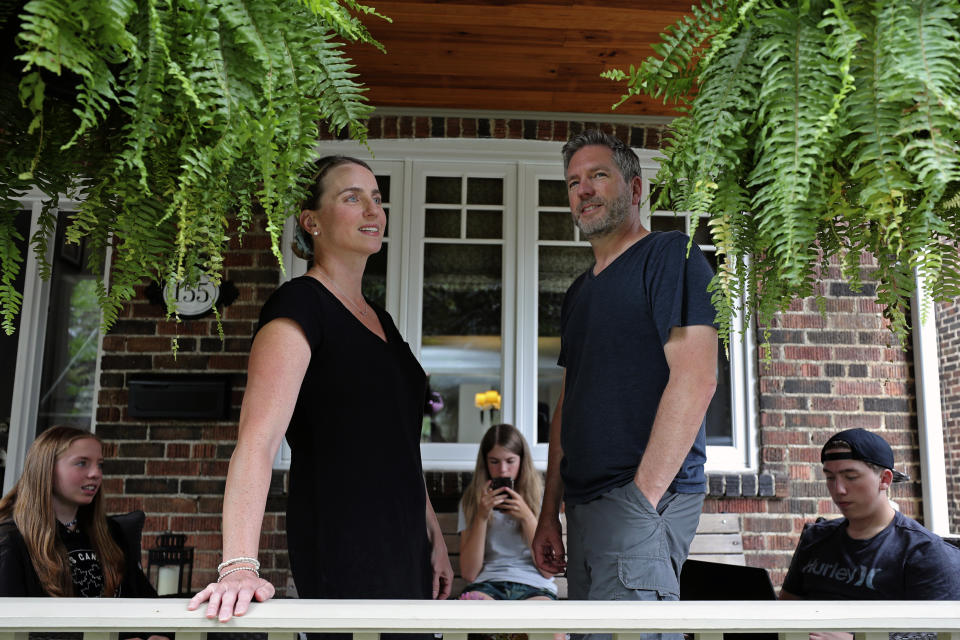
[{"x": 192, "y": 301}]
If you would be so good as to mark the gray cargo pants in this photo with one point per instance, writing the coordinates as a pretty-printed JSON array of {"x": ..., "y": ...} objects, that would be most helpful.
[{"x": 620, "y": 548}]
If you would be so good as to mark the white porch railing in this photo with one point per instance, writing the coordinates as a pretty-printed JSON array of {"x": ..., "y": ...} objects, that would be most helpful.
[{"x": 101, "y": 619}]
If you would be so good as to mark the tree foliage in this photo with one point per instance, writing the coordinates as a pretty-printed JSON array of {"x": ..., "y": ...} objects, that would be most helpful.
[
  {"x": 166, "y": 118},
  {"x": 811, "y": 130}
]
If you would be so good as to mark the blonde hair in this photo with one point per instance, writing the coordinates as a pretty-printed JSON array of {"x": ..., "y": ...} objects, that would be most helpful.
[
  {"x": 527, "y": 483},
  {"x": 30, "y": 506}
]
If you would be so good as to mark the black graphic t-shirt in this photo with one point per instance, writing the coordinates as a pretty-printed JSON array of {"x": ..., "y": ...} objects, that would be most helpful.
[
  {"x": 903, "y": 562},
  {"x": 84, "y": 565}
]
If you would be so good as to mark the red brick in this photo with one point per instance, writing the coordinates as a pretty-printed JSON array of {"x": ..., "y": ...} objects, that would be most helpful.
[
  {"x": 793, "y": 352},
  {"x": 801, "y": 321},
  {"x": 834, "y": 404},
  {"x": 453, "y": 127},
  {"x": 114, "y": 343},
  {"x": 168, "y": 504},
  {"x": 178, "y": 468},
  {"x": 145, "y": 344},
  {"x": 178, "y": 450},
  {"x": 195, "y": 524},
  {"x": 204, "y": 450},
  {"x": 389, "y": 126},
  {"x": 186, "y": 328},
  {"x": 768, "y": 419},
  {"x": 858, "y": 388},
  {"x": 228, "y": 362},
  {"x": 771, "y": 437},
  {"x": 800, "y": 472},
  {"x": 238, "y": 259},
  {"x": 864, "y": 421},
  {"x": 421, "y": 127}
]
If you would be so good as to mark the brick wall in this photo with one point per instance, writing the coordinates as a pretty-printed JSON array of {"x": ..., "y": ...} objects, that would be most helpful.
[
  {"x": 825, "y": 373},
  {"x": 948, "y": 325},
  {"x": 175, "y": 469}
]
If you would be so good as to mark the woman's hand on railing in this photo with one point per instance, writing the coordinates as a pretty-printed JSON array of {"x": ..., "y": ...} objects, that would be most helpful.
[{"x": 232, "y": 595}]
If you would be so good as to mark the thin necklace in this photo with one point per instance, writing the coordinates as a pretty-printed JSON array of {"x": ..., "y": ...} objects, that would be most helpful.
[
  {"x": 71, "y": 526},
  {"x": 362, "y": 312}
]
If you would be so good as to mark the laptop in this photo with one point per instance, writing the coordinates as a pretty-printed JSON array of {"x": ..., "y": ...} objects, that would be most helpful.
[{"x": 701, "y": 580}]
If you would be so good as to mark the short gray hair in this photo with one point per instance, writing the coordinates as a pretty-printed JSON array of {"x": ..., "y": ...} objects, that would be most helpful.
[{"x": 623, "y": 156}]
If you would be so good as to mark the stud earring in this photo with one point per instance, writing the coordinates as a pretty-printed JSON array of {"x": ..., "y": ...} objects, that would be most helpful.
[{"x": 316, "y": 233}]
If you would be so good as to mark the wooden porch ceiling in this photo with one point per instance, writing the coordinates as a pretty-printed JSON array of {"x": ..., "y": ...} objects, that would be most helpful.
[{"x": 503, "y": 55}]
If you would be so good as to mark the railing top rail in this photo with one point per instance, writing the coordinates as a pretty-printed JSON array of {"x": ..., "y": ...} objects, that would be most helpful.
[{"x": 372, "y": 616}]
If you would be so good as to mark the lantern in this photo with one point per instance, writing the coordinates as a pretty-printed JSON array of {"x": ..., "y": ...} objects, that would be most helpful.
[{"x": 174, "y": 565}]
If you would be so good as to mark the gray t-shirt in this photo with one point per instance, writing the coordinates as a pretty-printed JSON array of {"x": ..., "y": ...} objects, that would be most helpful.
[{"x": 506, "y": 556}]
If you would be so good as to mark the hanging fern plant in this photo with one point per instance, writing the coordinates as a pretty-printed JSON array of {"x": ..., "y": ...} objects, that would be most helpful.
[
  {"x": 811, "y": 130},
  {"x": 167, "y": 119}
]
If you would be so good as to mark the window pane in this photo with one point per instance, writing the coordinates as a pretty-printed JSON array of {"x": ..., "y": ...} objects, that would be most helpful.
[
  {"x": 555, "y": 225},
  {"x": 461, "y": 338},
  {"x": 375, "y": 277},
  {"x": 719, "y": 413},
  {"x": 442, "y": 223},
  {"x": 485, "y": 224},
  {"x": 558, "y": 267},
  {"x": 383, "y": 181},
  {"x": 70, "y": 345},
  {"x": 668, "y": 223},
  {"x": 655, "y": 190},
  {"x": 443, "y": 190},
  {"x": 484, "y": 191},
  {"x": 8, "y": 344},
  {"x": 702, "y": 234},
  {"x": 552, "y": 193},
  {"x": 719, "y": 416}
]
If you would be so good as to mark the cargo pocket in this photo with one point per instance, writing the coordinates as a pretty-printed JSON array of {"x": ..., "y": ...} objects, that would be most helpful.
[{"x": 649, "y": 573}]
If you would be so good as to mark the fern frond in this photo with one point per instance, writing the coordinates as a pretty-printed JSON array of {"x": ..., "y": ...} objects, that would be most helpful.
[
  {"x": 672, "y": 72},
  {"x": 180, "y": 116},
  {"x": 339, "y": 18},
  {"x": 845, "y": 142}
]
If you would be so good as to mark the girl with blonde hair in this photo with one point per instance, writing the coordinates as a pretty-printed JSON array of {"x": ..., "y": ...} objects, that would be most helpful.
[
  {"x": 497, "y": 523},
  {"x": 55, "y": 538}
]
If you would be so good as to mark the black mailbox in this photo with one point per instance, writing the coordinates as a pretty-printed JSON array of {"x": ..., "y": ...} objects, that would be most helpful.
[{"x": 185, "y": 397}]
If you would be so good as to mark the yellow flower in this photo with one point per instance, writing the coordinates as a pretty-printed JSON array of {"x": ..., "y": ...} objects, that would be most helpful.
[{"x": 487, "y": 400}]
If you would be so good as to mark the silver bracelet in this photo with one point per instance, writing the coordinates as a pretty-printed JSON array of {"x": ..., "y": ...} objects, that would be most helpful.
[
  {"x": 227, "y": 563},
  {"x": 234, "y": 570}
]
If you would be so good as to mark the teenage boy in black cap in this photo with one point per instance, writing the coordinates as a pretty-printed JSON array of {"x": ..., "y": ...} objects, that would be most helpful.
[{"x": 874, "y": 552}]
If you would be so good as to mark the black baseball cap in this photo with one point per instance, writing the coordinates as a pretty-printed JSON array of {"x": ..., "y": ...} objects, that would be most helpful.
[{"x": 865, "y": 446}]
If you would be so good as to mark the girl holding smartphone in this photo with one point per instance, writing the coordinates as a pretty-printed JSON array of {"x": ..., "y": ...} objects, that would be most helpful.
[{"x": 497, "y": 520}]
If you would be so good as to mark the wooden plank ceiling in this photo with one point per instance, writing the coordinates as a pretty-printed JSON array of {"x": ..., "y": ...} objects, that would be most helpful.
[{"x": 507, "y": 55}]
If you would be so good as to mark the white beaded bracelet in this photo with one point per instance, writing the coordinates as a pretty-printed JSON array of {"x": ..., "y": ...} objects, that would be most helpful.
[
  {"x": 227, "y": 563},
  {"x": 234, "y": 570}
]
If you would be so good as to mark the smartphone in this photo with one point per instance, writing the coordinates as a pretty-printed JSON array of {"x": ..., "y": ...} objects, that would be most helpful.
[{"x": 498, "y": 483}]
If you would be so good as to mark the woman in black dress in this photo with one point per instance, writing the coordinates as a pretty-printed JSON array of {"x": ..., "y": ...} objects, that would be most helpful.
[{"x": 330, "y": 370}]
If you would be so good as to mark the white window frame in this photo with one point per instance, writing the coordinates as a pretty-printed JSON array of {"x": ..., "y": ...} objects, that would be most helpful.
[
  {"x": 404, "y": 160},
  {"x": 31, "y": 340}
]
